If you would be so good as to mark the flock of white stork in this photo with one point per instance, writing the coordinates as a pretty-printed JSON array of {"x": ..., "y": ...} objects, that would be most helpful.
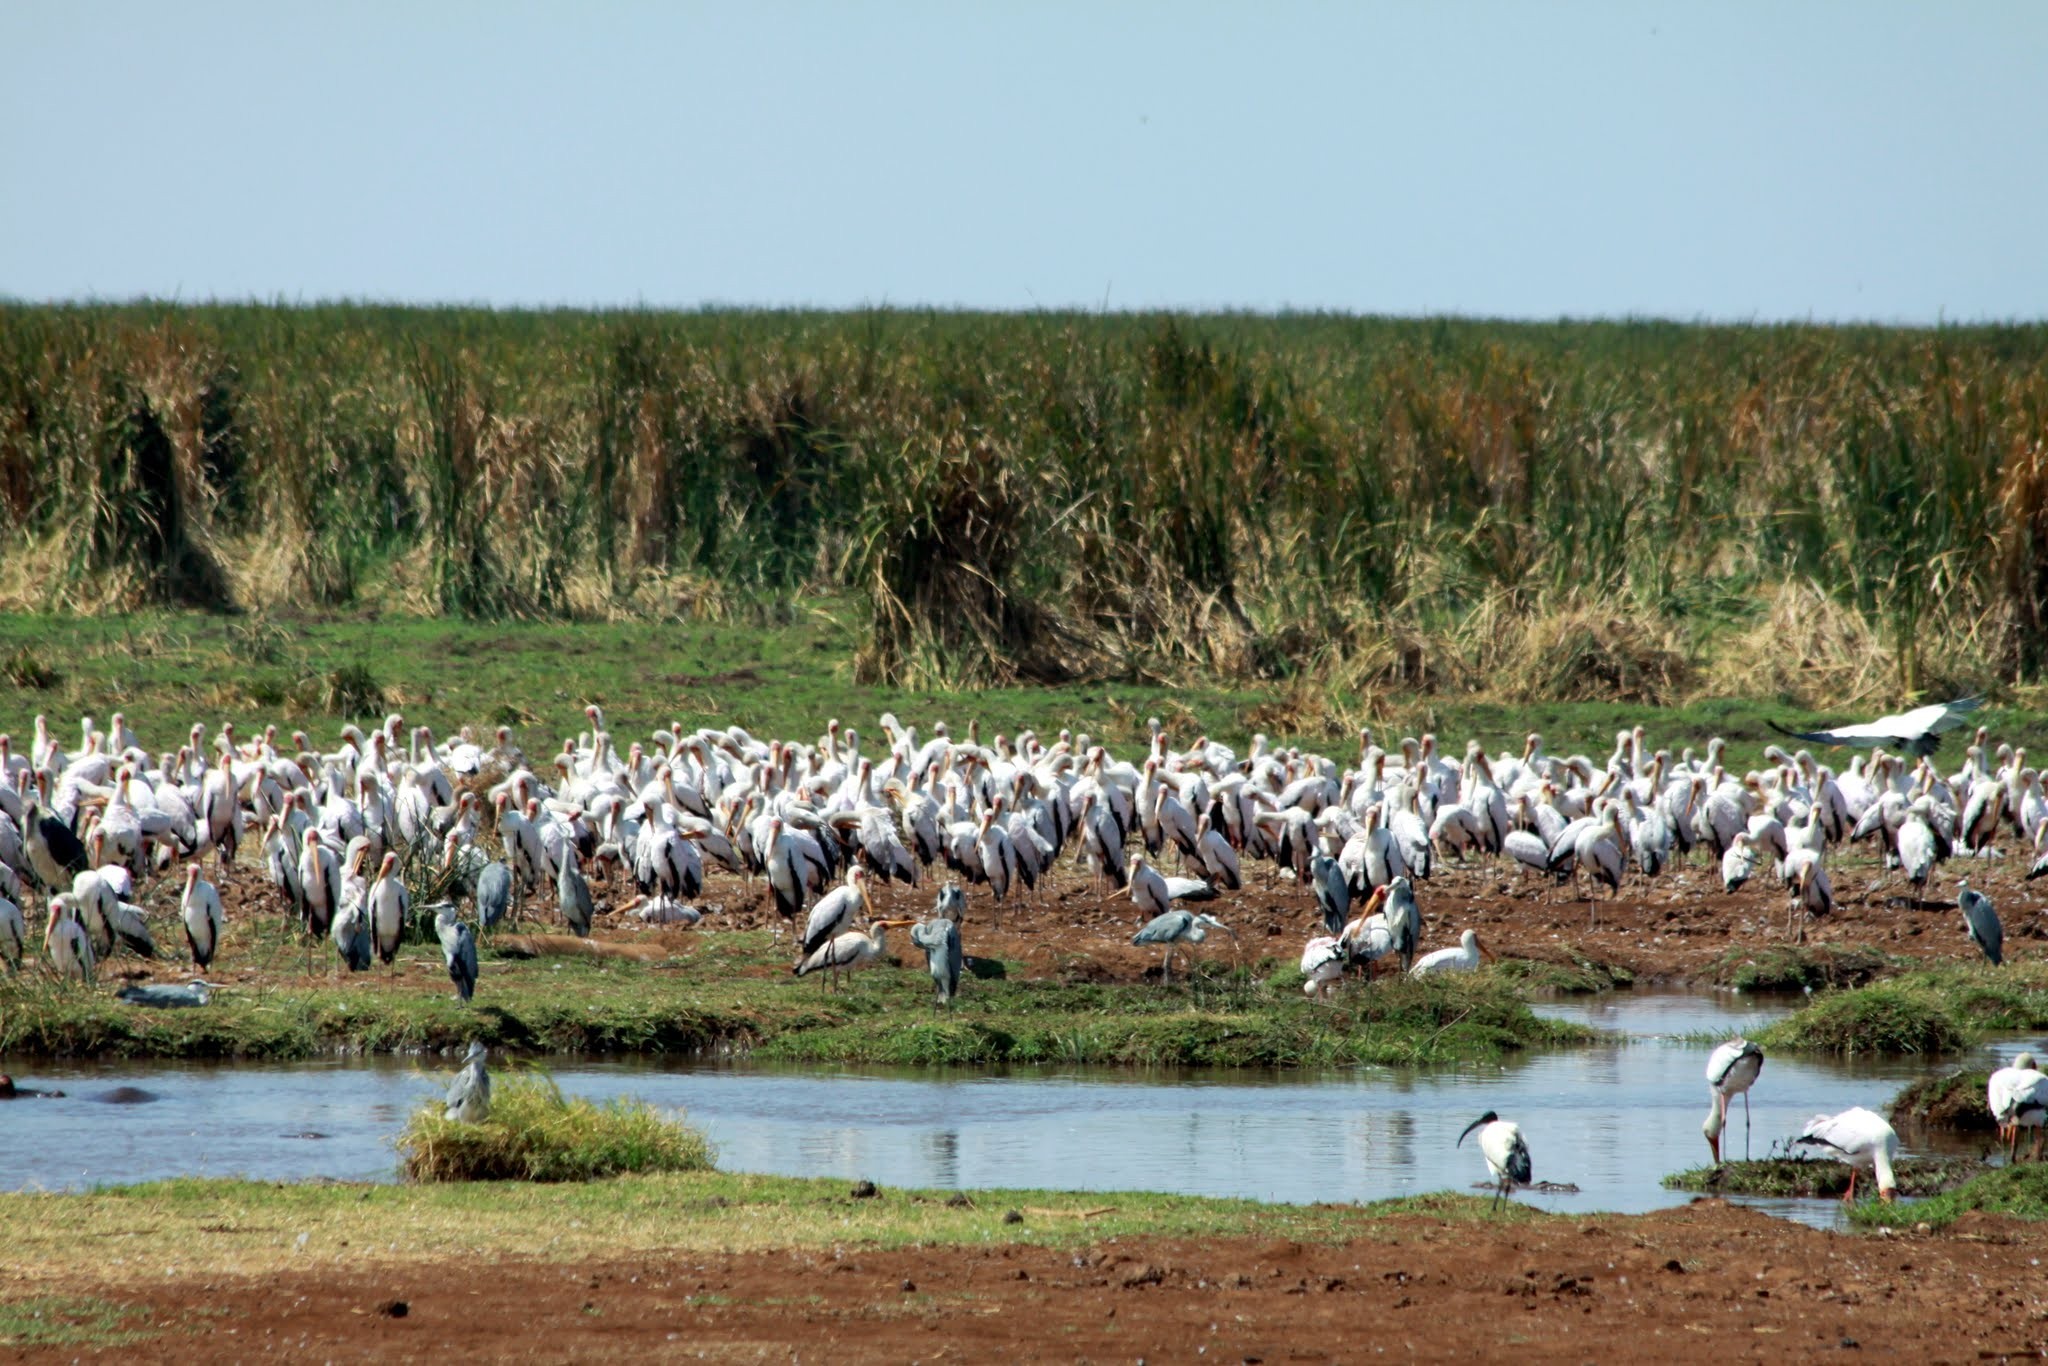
[{"x": 347, "y": 835}]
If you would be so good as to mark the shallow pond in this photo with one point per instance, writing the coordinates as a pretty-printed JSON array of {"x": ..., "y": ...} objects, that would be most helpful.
[{"x": 1610, "y": 1118}]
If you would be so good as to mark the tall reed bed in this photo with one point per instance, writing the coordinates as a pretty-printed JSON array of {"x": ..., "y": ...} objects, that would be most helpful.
[{"x": 1577, "y": 509}]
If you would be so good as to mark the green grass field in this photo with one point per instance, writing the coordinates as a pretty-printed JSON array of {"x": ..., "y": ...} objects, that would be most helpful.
[{"x": 784, "y": 675}]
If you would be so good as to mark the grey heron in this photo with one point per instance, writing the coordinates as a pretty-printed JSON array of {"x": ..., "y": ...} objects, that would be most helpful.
[
  {"x": 1980, "y": 921},
  {"x": 469, "y": 1095},
  {"x": 2018, "y": 1096},
  {"x": 572, "y": 894},
  {"x": 493, "y": 893},
  {"x": 1333, "y": 892},
  {"x": 13, "y": 933},
  {"x": 1861, "y": 1139},
  {"x": 1404, "y": 919},
  {"x": 458, "y": 950},
  {"x": 1505, "y": 1150},
  {"x": 1731, "y": 1070},
  {"x": 1918, "y": 732},
  {"x": 940, "y": 940},
  {"x": 1175, "y": 928},
  {"x": 951, "y": 903}
]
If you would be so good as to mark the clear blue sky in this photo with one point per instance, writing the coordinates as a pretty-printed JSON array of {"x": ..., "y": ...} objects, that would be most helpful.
[{"x": 1746, "y": 160}]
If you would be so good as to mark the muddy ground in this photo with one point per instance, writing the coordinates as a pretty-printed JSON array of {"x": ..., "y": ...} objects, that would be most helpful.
[
  {"x": 1709, "y": 1282},
  {"x": 1677, "y": 929}
]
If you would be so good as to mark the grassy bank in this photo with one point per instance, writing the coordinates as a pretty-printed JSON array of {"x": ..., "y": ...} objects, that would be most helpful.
[
  {"x": 2021, "y": 1192},
  {"x": 731, "y": 994},
  {"x": 250, "y": 1227},
  {"x": 1953, "y": 1101},
  {"x": 1633, "y": 510},
  {"x": 535, "y": 1133},
  {"x": 778, "y": 673},
  {"x": 1930, "y": 1010}
]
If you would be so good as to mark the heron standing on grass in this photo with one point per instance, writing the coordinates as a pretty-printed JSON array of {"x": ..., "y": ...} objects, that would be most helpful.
[
  {"x": 458, "y": 949},
  {"x": 1176, "y": 928},
  {"x": 940, "y": 940},
  {"x": 1505, "y": 1151},
  {"x": 1731, "y": 1071},
  {"x": 469, "y": 1095}
]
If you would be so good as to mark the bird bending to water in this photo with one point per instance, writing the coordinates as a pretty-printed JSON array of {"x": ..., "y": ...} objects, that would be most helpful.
[
  {"x": 469, "y": 1095},
  {"x": 1506, "y": 1153},
  {"x": 1918, "y": 732},
  {"x": 1861, "y": 1139},
  {"x": 1731, "y": 1071}
]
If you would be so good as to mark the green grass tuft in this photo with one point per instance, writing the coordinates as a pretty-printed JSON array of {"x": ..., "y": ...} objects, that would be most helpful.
[
  {"x": 1882, "y": 1019},
  {"x": 68, "y": 1321},
  {"x": 1817, "y": 1177},
  {"x": 535, "y": 1133},
  {"x": 1953, "y": 1101},
  {"x": 2021, "y": 1192},
  {"x": 1800, "y": 967}
]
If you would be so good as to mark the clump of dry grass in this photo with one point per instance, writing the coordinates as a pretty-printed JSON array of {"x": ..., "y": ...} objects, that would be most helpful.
[{"x": 534, "y": 1133}]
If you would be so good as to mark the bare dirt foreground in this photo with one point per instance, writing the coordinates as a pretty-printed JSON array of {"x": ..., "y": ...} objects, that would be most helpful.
[{"x": 1703, "y": 1283}]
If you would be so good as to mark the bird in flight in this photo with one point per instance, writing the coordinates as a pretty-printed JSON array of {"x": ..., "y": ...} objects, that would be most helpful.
[{"x": 1917, "y": 732}]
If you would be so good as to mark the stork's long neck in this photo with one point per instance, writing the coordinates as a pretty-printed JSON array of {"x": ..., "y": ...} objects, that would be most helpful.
[{"x": 1881, "y": 1160}]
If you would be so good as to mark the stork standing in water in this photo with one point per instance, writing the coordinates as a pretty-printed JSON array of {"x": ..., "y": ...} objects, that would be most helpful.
[
  {"x": 1861, "y": 1139},
  {"x": 1506, "y": 1153},
  {"x": 2018, "y": 1096},
  {"x": 1731, "y": 1071}
]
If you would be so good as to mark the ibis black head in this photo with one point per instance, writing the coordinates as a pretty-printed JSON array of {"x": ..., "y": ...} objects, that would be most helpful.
[{"x": 1487, "y": 1118}]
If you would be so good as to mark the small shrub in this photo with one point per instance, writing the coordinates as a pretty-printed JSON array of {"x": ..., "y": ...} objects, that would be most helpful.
[
  {"x": 535, "y": 1133},
  {"x": 351, "y": 690},
  {"x": 24, "y": 670}
]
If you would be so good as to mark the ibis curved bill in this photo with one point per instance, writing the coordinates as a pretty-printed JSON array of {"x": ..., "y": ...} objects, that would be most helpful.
[{"x": 1505, "y": 1150}]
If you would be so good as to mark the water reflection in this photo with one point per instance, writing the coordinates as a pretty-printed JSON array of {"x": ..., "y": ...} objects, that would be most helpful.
[{"x": 1611, "y": 1118}]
